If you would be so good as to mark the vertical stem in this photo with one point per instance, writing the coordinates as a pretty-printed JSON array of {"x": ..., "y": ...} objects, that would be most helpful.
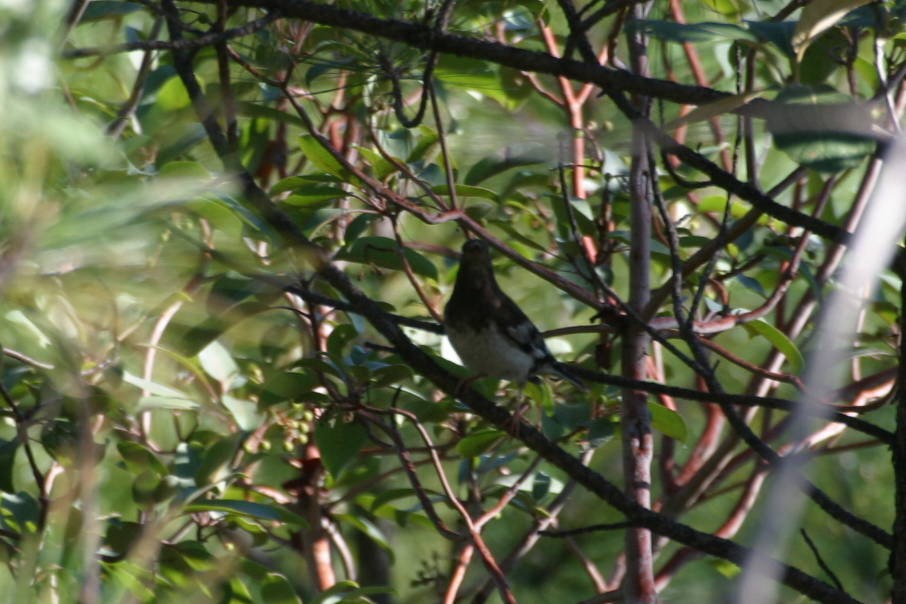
[
  {"x": 314, "y": 539},
  {"x": 638, "y": 442},
  {"x": 637, "y": 438}
]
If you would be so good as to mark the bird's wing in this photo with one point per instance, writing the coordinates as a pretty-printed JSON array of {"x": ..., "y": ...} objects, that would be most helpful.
[{"x": 521, "y": 331}]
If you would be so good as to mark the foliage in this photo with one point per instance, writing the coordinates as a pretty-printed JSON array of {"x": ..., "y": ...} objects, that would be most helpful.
[{"x": 229, "y": 228}]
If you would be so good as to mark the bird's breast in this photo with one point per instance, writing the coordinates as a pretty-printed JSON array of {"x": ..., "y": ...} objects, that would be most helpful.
[{"x": 488, "y": 352}]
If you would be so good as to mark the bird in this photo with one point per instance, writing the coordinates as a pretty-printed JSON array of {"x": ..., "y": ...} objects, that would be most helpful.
[{"x": 489, "y": 332}]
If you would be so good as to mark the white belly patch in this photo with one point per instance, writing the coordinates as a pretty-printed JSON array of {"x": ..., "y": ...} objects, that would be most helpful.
[{"x": 489, "y": 353}]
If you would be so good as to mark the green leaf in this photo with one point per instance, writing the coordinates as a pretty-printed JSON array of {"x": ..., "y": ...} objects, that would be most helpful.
[
  {"x": 481, "y": 77},
  {"x": 245, "y": 412},
  {"x": 821, "y": 128},
  {"x": 339, "y": 338},
  {"x": 392, "y": 374},
  {"x": 572, "y": 416},
  {"x": 218, "y": 363},
  {"x": 173, "y": 403},
  {"x": 139, "y": 457},
  {"x": 154, "y": 388},
  {"x": 725, "y": 567},
  {"x": 385, "y": 498},
  {"x": 693, "y": 32},
  {"x": 339, "y": 443},
  {"x": 349, "y": 592},
  {"x": 777, "y": 33},
  {"x": 817, "y": 17},
  {"x": 380, "y": 167},
  {"x": 191, "y": 340},
  {"x": 752, "y": 284},
  {"x": 492, "y": 166},
  {"x": 728, "y": 8},
  {"x": 779, "y": 340},
  {"x": 250, "y": 109},
  {"x": 275, "y": 589},
  {"x": 358, "y": 226},
  {"x": 127, "y": 577},
  {"x": 478, "y": 441},
  {"x": 602, "y": 429},
  {"x": 61, "y": 440},
  {"x": 20, "y": 512},
  {"x": 314, "y": 195},
  {"x": 173, "y": 96},
  {"x": 261, "y": 511},
  {"x": 121, "y": 535},
  {"x": 282, "y": 386},
  {"x": 216, "y": 460},
  {"x": 541, "y": 395},
  {"x": 188, "y": 170},
  {"x": 825, "y": 152},
  {"x": 19, "y": 318},
  {"x": 293, "y": 183},
  {"x": 320, "y": 157},
  {"x": 716, "y": 108},
  {"x": 667, "y": 421},
  {"x": 541, "y": 485},
  {"x": 145, "y": 487},
  {"x": 384, "y": 252},
  {"x": 367, "y": 527}
]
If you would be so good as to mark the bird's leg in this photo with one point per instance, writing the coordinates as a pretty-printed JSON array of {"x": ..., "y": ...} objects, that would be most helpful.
[{"x": 521, "y": 407}]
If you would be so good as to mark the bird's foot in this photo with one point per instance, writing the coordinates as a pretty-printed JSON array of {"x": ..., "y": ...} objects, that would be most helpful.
[{"x": 514, "y": 424}]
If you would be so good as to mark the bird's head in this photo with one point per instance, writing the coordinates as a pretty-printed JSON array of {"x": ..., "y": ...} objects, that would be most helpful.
[
  {"x": 475, "y": 251},
  {"x": 475, "y": 262}
]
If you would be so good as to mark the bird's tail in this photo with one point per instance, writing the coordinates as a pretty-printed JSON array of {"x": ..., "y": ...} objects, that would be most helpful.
[{"x": 561, "y": 370}]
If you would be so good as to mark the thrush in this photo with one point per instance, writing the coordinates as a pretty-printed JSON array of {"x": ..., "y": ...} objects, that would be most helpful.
[{"x": 489, "y": 332}]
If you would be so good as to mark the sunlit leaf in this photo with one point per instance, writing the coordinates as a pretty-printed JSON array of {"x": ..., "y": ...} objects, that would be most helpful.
[
  {"x": 172, "y": 96},
  {"x": 245, "y": 412},
  {"x": 779, "y": 340},
  {"x": 217, "y": 362}
]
